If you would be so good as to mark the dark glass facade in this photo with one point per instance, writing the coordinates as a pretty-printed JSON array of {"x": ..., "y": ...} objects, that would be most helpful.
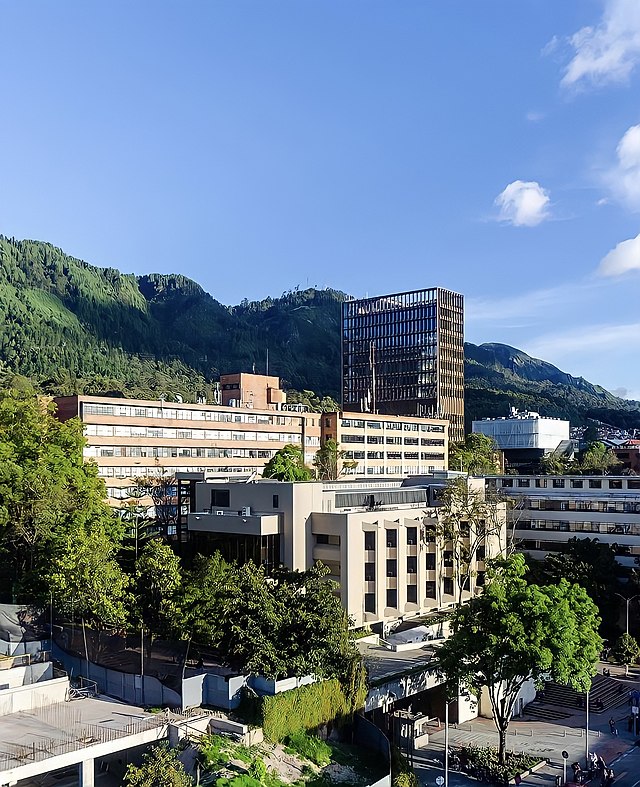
[
  {"x": 234, "y": 548},
  {"x": 403, "y": 355}
]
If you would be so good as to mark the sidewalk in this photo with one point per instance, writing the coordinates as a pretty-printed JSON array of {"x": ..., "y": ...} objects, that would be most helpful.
[{"x": 548, "y": 739}]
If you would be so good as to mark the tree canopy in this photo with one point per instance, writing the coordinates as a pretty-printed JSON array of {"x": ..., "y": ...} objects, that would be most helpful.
[
  {"x": 330, "y": 462},
  {"x": 160, "y": 768},
  {"x": 517, "y": 631},
  {"x": 287, "y": 464},
  {"x": 599, "y": 459},
  {"x": 477, "y": 455}
]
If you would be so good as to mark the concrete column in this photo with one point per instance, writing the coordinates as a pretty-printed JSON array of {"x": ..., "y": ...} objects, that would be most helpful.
[{"x": 87, "y": 773}]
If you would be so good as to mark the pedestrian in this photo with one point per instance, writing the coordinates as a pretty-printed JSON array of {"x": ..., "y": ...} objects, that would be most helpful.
[
  {"x": 612, "y": 727},
  {"x": 610, "y": 777},
  {"x": 630, "y": 721}
]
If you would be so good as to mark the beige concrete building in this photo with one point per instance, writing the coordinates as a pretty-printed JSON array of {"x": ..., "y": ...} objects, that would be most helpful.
[
  {"x": 387, "y": 445},
  {"x": 381, "y": 542},
  {"x": 133, "y": 438}
]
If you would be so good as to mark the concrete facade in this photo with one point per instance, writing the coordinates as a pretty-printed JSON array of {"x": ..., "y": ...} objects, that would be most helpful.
[
  {"x": 552, "y": 509},
  {"x": 379, "y": 541}
]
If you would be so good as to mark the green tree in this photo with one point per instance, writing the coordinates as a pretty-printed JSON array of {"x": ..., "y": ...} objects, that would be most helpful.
[
  {"x": 514, "y": 632},
  {"x": 287, "y": 464},
  {"x": 84, "y": 575},
  {"x": 158, "y": 579},
  {"x": 46, "y": 486},
  {"x": 160, "y": 768},
  {"x": 626, "y": 649},
  {"x": 555, "y": 464},
  {"x": 599, "y": 459},
  {"x": 330, "y": 462},
  {"x": 477, "y": 455}
]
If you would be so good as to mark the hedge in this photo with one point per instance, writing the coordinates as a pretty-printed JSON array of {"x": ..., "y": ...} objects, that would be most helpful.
[{"x": 303, "y": 709}]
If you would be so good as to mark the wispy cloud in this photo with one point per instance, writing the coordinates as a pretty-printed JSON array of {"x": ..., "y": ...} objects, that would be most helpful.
[
  {"x": 535, "y": 117},
  {"x": 623, "y": 259},
  {"x": 523, "y": 204},
  {"x": 607, "y": 52},
  {"x": 624, "y": 178},
  {"x": 586, "y": 338}
]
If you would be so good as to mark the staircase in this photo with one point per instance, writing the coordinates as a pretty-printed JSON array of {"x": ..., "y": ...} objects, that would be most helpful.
[{"x": 606, "y": 693}]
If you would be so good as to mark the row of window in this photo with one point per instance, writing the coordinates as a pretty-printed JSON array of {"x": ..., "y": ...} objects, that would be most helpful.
[
  {"x": 375, "y": 440},
  {"x": 571, "y": 483},
  {"x": 356, "y": 423},
  {"x": 601, "y": 506},
  {"x": 136, "y": 472},
  {"x": 412, "y": 593},
  {"x": 172, "y": 413},
  {"x": 580, "y": 527},
  {"x": 424, "y": 455},
  {"x": 165, "y": 433},
  {"x": 164, "y": 452}
]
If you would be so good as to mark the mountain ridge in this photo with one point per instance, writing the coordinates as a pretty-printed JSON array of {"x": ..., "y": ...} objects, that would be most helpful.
[{"x": 75, "y": 327}]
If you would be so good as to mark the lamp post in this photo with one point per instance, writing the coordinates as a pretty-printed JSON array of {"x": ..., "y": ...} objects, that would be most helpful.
[
  {"x": 586, "y": 740},
  {"x": 627, "y": 601},
  {"x": 446, "y": 742}
]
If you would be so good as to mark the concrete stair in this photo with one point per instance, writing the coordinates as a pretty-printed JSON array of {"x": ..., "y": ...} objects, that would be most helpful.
[{"x": 606, "y": 693}]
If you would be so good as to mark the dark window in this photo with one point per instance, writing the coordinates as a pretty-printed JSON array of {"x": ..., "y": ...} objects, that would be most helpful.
[
  {"x": 595, "y": 484},
  {"x": 633, "y": 484},
  {"x": 558, "y": 483},
  {"x": 412, "y": 594},
  {"x": 480, "y": 553},
  {"x": 276, "y": 501},
  {"x": 448, "y": 559},
  {"x": 370, "y": 541},
  {"x": 431, "y": 562},
  {"x": 219, "y": 498},
  {"x": 324, "y": 538},
  {"x": 480, "y": 579},
  {"x": 392, "y": 538},
  {"x": 615, "y": 484},
  {"x": 392, "y": 598},
  {"x": 369, "y": 602},
  {"x": 430, "y": 590},
  {"x": 412, "y": 535},
  {"x": 369, "y": 572},
  {"x": 577, "y": 483},
  {"x": 507, "y": 482},
  {"x": 392, "y": 568},
  {"x": 412, "y": 565},
  {"x": 448, "y": 587}
]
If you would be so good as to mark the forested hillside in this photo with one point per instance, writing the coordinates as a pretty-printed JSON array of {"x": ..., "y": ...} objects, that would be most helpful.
[{"x": 73, "y": 327}]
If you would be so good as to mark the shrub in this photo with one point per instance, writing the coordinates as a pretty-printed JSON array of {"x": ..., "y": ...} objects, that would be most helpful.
[
  {"x": 402, "y": 774},
  {"x": 311, "y": 747}
]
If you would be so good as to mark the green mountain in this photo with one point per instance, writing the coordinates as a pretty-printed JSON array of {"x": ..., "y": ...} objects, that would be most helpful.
[{"x": 73, "y": 327}]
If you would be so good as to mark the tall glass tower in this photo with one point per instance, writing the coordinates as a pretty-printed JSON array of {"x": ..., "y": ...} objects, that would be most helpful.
[{"x": 403, "y": 354}]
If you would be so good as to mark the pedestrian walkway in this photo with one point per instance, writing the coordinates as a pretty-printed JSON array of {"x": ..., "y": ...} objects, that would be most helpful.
[{"x": 545, "y": 738}]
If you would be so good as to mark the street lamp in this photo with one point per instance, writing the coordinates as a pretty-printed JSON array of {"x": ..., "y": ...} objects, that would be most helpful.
[{"x": 627, "y": 601}]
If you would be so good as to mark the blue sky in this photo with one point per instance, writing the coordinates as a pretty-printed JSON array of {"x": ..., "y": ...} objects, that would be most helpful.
[{"x": 487, "y": 146}]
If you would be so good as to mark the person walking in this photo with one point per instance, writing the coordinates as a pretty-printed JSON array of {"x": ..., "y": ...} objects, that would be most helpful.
[{"x": 612, "y": 727}]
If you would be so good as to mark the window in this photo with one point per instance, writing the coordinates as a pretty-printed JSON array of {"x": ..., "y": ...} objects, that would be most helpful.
[
  {"x": 392, "y": 539},
  {"x": 480, "y": 579},
  {"x": 392, "y": 598},
  {"x": 577, "y": 483},
  {"x": 369, "y": 572},
  {"x": 276, "y": 501},
  {"x": 219, "y": 498},
  {"x": 323, "y": 538},
  {"x": 595, "y": 483},
  {"x": 430, "y": 590},
  {"x": 392, "y": 568},
  {"x": 541, "y": 483},
  {"x": 633, "y": 484},
  {"x": 507, "y": 482},
  {"x": 448, "y": 559},
  {"x": 370, "y": 541},
  {"x": 523, "y": 482},
  {"x": 448, "y": 587},
  {"x": 431, "y": 562},
  {"x": 369, "y": 602},
  {"x": 412, "y": 594},
  {"x": 412, "y": 565},
  {"x": 558, "y": 483},
  {"x": 617, "y": 484},
  {"x": 412, "y": 536}
]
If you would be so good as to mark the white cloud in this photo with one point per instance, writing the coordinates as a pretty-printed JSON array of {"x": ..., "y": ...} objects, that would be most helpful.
[
  {"x": 624, "y": 178},
  {"x": 535, "y": 117},
  {"x": 523, "y": 203},
  {"x": 609, "y": 51},
  {"x": 624, "y": 258}
]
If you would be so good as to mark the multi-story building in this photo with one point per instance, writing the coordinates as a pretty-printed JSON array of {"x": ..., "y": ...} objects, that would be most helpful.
[
  {"x": 131, "y": 438},
  {"x": 403, "y": 354},
  {"x": 524, "y": 437},
  {"x": 386, "y": 446},
  {"x": 549, "y": 510},
  {"x": 381, "y": 542}
]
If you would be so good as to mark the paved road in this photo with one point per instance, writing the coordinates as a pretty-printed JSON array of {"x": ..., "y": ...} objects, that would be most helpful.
[{"x": 627, "y": 768}]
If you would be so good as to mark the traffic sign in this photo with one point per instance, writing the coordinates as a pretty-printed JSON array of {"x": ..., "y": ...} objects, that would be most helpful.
[
  {"x": 439, "y": 780},
  {"x": 565, "y": 755}
]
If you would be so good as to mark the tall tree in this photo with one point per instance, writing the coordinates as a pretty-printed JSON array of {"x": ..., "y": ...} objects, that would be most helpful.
[
  {"x": 157, "y": 583},
  {"x": 477, "y": 455},
  {"x": 470, "y": 527},
  {"x": 287, "y": 464},
  {"x": 46, "y": 486},
  {"x": 330, "y": 462},
  {"x": 599, "y": 459},
  {"x": 515, "y": 632},
  {"x": 160, "y": 768}
]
